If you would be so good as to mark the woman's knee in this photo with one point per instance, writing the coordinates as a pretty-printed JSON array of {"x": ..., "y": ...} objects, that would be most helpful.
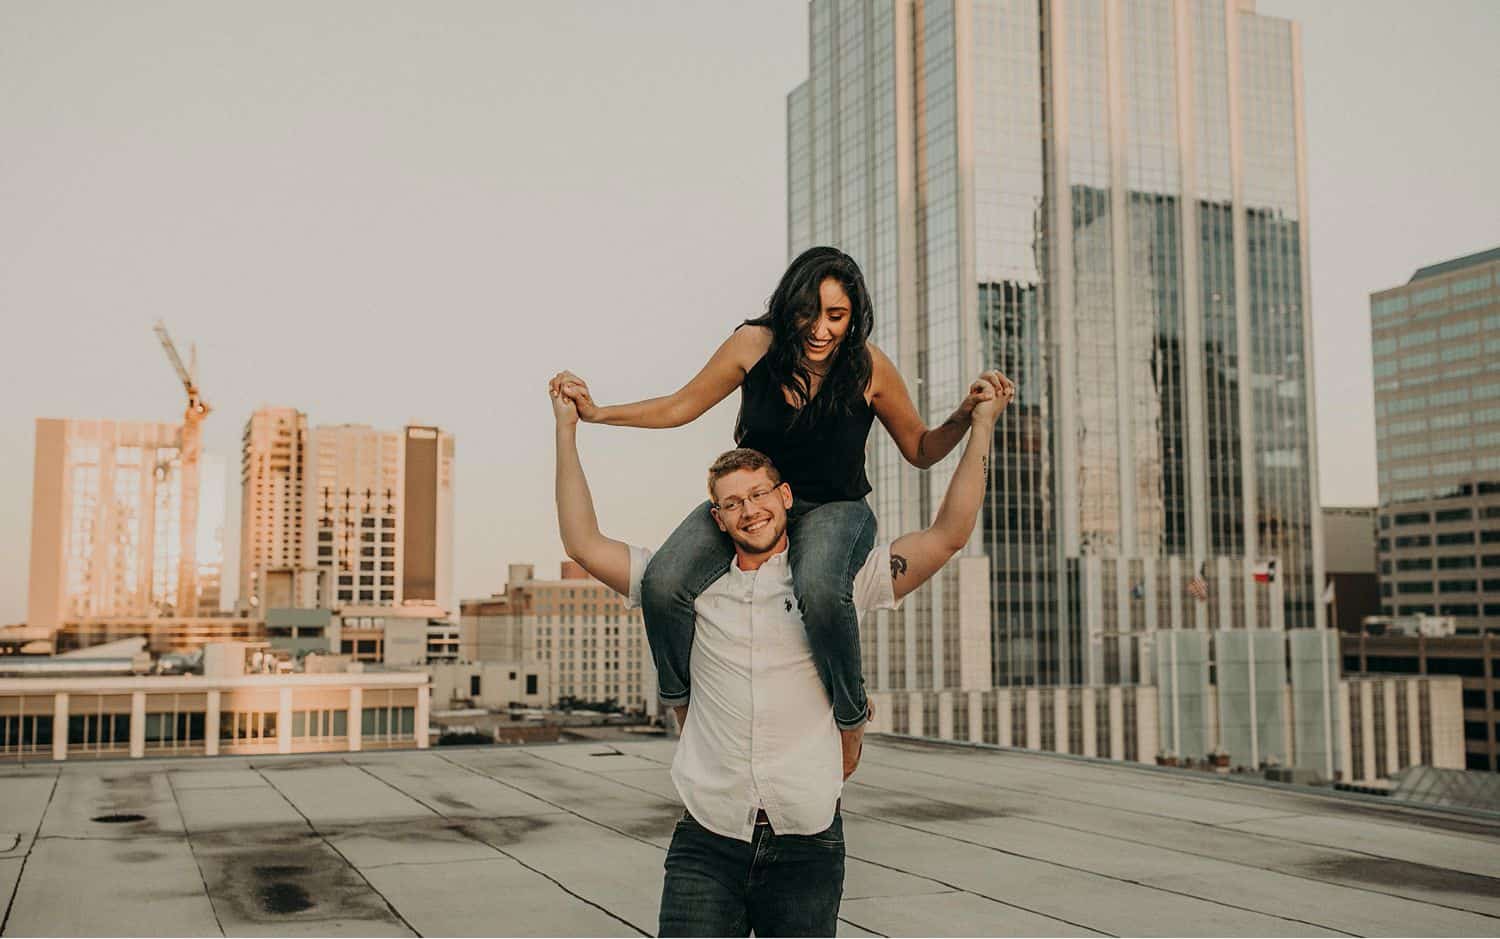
[
  {"x": 832, "y": 541},
  {"x": 825, "y": 600},
  {"x": 693, "y": 553}
]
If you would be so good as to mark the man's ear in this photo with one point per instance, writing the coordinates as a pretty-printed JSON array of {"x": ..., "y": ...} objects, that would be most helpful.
[
  {"x": 786, "y": 495},
  {"x": 717, "y": 521}
]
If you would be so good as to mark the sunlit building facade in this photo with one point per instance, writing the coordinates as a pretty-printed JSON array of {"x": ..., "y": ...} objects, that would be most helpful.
[
  {"x": 275, "y": 571},
  {"x": 380, "y": 523},
  {"x": 106, "y": 523},
  {"x": 1106, "y": 199}
]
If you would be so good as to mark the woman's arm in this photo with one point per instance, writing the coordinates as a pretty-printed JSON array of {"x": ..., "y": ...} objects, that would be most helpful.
[
  {"x": 922, "y": 446},
  {"x": 724, "y": 372}
]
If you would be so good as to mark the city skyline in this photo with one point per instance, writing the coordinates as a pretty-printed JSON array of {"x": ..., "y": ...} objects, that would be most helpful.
[{"x": 301, "y": 202}]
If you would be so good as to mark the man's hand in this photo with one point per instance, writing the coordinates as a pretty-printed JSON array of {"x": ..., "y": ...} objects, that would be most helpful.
[
  {"x": 563, "y": 408},
  {"x": 853, "y": 741},
  {"x": 605, "y": 558},
  {"x": 576, "y": 390},
  {"x": 988, "y": 386},
  {"x": 988, "y": 407}
]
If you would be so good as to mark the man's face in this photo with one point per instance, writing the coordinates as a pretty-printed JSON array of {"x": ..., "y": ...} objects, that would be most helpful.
[{"x": 751, "y": 509}]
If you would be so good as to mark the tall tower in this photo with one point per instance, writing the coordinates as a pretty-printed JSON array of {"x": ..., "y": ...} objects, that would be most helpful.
[
  {"x": 1106, "y": 199},
  {"x": 381, "y": 515},
  {"x": 275, "y": 568}
]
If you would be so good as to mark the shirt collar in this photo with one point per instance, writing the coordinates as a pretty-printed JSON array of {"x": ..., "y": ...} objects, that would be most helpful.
[{"x": 776, "y": 560}]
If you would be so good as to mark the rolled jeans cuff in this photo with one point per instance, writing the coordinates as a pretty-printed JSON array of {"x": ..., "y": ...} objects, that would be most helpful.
[
  {"x": 860, "y": 721},
  {"x": 673, "y": 701}
]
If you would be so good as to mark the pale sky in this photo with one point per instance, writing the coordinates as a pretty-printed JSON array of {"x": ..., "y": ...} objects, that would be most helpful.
[{"x": 386, "y": 212}]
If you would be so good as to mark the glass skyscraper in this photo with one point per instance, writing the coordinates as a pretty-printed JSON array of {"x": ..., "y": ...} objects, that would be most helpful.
[{"x": 1105, "y": 199}]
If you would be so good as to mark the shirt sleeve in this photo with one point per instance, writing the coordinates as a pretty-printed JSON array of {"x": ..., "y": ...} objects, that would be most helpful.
[
  {"x": 639, "y": 558},
  {"x": 873, "y": 587}
]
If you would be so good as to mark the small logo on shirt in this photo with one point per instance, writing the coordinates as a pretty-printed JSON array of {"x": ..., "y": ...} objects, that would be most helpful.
[{"x": 789, "y": 606}]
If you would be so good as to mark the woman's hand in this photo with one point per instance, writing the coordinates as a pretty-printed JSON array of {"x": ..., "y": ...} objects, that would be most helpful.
[
  {"x": 989, "y": 386},
  {"x": 563, "y": 409},
  {"x": 576, "y": 390}
]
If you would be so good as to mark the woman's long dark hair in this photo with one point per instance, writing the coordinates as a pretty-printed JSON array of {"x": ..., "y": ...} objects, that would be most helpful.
[{"x": 791, "y": 314}]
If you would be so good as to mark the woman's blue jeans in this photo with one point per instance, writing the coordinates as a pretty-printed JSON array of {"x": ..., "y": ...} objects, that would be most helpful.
[{"x": 829, "y": 542}]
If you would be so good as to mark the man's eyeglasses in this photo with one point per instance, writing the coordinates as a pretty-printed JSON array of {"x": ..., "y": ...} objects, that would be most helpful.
[{"x": 733, "y": 506}]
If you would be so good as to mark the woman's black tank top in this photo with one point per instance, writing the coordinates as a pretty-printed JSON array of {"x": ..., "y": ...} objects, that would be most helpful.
[{"x": 822, "y": 461}]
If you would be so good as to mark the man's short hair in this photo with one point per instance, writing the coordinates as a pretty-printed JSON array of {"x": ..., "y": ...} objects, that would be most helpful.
[{"x": 741, "y": 458}]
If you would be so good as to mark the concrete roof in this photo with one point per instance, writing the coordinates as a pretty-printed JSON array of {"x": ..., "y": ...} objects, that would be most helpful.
[{"x": 569, "y": 839}]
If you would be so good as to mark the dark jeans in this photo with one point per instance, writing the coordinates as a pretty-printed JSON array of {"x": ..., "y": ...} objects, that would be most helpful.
[
  {"x": 777, "y": 885},
  {"x": 828, "y": 545}
]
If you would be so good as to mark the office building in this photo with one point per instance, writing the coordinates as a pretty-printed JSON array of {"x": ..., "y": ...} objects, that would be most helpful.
[
  {"x": 346, "y": 515},
  {"x": 586, "y": 644},
  {"x": 109, "y": 529},
  {"x": 1107, "y": 201},
  {"x": 65, "y": 709},
  {"x": 1474, "y": 659},
  {"x": 1352, "y": 590},
  {"x": 275, "y": 571},
  {"x": 1436, "y": 348},
  {"x": 381, "y": 515}
]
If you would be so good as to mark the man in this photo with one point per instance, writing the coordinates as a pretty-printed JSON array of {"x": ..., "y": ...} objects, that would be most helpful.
[{"x": 760, "y": 765}]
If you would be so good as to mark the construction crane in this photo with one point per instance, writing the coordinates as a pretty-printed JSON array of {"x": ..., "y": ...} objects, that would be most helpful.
[{"x": 190, "y": 448}]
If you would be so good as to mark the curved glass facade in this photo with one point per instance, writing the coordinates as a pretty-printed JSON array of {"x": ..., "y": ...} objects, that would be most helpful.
[{"x": 1105, "y": 200}]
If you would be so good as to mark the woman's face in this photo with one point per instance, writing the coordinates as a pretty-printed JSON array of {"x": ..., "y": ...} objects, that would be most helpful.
[{"x": 822, "y": 340}]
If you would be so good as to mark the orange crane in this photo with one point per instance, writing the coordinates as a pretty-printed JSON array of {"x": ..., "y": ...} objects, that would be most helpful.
[{"x": 190, "y": 446}]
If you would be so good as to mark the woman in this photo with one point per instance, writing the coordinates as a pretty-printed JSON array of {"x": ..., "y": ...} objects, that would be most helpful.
[{"x": 811, "y": 385}]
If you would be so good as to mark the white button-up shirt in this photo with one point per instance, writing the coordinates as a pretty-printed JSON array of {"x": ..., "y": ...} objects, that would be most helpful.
[{"x": 760, "y": 732}]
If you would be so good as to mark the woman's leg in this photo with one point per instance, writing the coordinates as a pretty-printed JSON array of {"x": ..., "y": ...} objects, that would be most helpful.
[
  {"x": 696, "y": 555},
  {"x": 829, "y": 544}
]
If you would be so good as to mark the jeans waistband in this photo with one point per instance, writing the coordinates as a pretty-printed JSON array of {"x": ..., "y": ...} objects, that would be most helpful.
[{"x": 761, "y": 818}]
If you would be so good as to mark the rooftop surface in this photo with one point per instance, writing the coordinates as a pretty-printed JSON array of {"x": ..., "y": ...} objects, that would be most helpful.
[{"x": 569, "y": 839}]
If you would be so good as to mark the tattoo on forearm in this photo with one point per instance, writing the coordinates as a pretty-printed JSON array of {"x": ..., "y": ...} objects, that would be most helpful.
[
  {"x": 898, "y": 566},
  {"x": 984, "y": 467}
]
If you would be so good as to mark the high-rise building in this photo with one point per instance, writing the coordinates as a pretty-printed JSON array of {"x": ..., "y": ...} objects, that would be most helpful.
[
  {"x": 107, "y": 523},
  {"x": 381, "y": 515},
  {"x": 355, "y": 487},
  {"x": 1437, "y": 430},
  {"x": 275, "y": 570},
  {"x": 1105, "y": 199},
  {"x": 345, "y": 516}
]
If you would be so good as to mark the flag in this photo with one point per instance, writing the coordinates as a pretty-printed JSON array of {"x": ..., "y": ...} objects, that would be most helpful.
[
  {"x": 1197, "y": 588},
  {"x": 1265, "y": 573},
  {"x": 1328, "y": 592}
]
